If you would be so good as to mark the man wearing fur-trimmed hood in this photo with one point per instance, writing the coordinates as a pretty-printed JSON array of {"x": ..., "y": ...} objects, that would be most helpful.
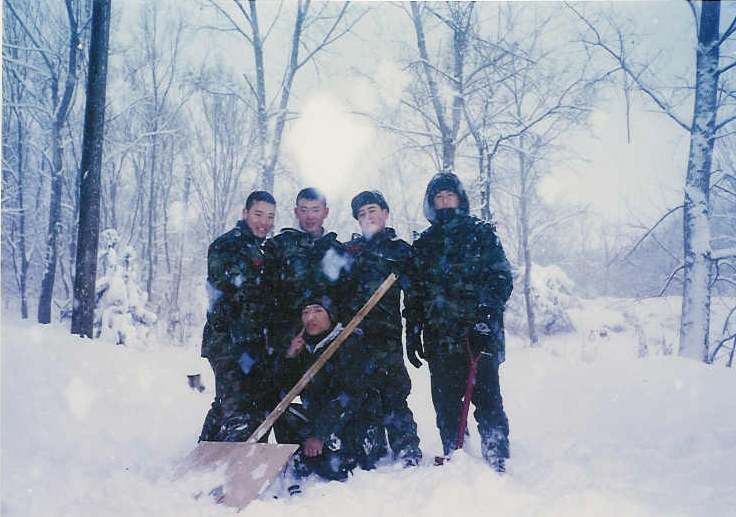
[{"x": 454, "y": 311}]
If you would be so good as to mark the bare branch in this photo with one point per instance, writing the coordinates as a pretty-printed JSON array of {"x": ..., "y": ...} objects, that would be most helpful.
[
  {"x": 232, "y": 21},
  {"x": 725, "y": 122},
  {"x": 669, "y": 212},
  {"x": 669, "y": 280},
  {"x": 695, "y": 16},
  {"x": 635, "y": 76},
  {"x": 723, "y": 253},
  {"x": 726, "y": 68},
  {"x": 273, "y": 23},
  {"x": 727, "y": 33},
  {"x": 30, "y": 35},
  {"x": 329, "y": 38}
]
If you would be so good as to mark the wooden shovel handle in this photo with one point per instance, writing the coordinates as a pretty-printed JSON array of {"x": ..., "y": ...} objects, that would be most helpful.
[{"x": 321, "y": 360}]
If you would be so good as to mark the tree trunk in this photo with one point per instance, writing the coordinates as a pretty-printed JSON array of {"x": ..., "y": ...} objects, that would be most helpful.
[
  {"x": 182, "y": 242},
  {"x": 270, "y": 170},
  {"x": 696, "y": 293},
  {"x": 151, "y": 211},
  {"x": 526, "y": 249},
  {"x": 22, "y": 280},
  {"x": 260, "y": 91},
  {"x": 89, "y": 195},
  {"x": 52, "y": 234},
  {"x": 54, "y": 227}
]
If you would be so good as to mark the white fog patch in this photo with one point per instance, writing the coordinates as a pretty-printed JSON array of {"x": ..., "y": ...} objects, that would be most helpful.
[
  {"x": 332, "y": 263},
  {"x": 246, "y": 362},
  {"x": 326, "y": 142},
  {"x": 238, "y": 280},
  {"x": 79, "y": 398},
  {"x": 213, "y": 294}
]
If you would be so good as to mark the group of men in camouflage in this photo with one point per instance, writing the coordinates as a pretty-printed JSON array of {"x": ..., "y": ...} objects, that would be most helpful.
[{"x": 275, "y": 305}]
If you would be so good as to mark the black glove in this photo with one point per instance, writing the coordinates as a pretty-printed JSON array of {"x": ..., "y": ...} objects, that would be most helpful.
[
  {"x": 480, "y": 338},
  {"x": 414, "y": 345},
  {"x": 485, "y": 332}
]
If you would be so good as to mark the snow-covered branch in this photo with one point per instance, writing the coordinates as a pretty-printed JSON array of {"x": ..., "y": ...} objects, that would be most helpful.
[
  {"x": 723, "y": 253},
  {"x": 646, "y": 234}
]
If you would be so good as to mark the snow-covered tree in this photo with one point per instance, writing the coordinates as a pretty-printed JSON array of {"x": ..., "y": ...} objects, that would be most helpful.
[
  {"x": 121, "y": 314},
  {"x": 713, "y": 114}
]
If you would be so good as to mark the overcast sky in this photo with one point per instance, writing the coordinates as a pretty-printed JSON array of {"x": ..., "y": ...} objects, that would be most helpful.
[{"x": 617, "y": 179}]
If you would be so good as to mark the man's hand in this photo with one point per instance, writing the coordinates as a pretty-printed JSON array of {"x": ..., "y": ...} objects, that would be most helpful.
[
  {"x": 485, "y": 332},
  {"x": 313, "y": 447},
  {"x": 414, "y": 347},
  {"x": 297, "y": 345}
]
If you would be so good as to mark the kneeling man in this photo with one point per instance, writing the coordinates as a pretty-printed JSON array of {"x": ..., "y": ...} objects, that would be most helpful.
[{"x": 339, "y": 422}]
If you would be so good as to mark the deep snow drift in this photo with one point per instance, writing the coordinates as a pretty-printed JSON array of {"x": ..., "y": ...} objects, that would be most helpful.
[{"x": 94, "y": 429}]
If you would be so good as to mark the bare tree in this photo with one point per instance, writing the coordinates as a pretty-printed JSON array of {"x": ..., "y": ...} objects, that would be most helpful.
[
  {"x": 224, "y": 145},
  {"x": 313, "y": 32},
  {"x": 14, "y": 165},
  {"x": 712, "y": 114},
  {"x": 153, "y": 71},
  {"x": 61, "y": 78}
]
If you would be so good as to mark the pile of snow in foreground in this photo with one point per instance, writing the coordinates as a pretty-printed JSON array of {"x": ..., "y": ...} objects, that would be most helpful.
[{"x": 93, "y": 429}]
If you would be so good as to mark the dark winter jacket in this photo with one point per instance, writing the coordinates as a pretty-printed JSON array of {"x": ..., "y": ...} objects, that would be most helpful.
[
  {"x": 235, "y": 319},
  {"x": 298, "y": 265},
  {"x": 341, "y": 391},
  {"x": 460, "y": 275},
  {"x": 371, "y": 262}
]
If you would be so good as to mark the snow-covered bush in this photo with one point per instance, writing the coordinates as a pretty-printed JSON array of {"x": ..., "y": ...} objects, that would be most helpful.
[
  {"x": 552, "y": 297},
  {"x": 120, "y": 314}
]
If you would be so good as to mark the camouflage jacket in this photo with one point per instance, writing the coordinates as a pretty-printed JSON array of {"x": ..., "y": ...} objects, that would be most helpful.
[
  {"x": 460, "y": 276},
  {"x": 371, "y": 262},
  {"x": 345, "y": 387},
  {"x": 235, "y": 319},
  {"x": 298, "y": 266}
]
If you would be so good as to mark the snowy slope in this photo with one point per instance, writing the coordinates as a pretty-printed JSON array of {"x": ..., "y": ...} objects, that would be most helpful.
[{"x": 93, "y": 429}]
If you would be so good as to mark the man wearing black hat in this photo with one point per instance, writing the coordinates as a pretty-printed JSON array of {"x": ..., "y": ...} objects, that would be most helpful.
[
  {"x": 338, "y": 423},
  {"x": 375, "y": 253},
  {"x": 461, "y": 282}
]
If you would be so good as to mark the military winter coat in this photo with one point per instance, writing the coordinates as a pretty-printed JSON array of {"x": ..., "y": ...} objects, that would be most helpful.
[
  {"x": 298, "y": 266},
  {"x": 371, "y": 262},
  {"x": 341, "y": 392},
  {"x": 460, "y": 275},
  {"x": 235, "y": 319}
]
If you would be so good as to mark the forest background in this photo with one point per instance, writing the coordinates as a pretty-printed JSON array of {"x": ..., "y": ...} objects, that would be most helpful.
[{"x": 571, "y": 124}]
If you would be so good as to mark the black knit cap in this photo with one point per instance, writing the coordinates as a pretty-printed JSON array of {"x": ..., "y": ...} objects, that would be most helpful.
[
  {"x": 367, "y": 197},
  {"x": 320, "y": 299}
]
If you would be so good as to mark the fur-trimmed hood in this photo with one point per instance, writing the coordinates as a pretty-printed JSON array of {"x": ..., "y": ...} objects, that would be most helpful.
[{"x": 444, "y": 181}]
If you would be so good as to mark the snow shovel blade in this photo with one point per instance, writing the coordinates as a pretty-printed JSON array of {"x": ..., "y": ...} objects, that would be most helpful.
[{"x": 249, "y": 467}]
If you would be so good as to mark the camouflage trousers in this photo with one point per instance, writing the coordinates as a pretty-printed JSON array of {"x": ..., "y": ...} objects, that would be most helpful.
[
  {"x": 360, "y": 443},
  {"x": 240, "y": 404},
  {"x": 395, "y": 386},
  {"x": 449, "y": 368}
]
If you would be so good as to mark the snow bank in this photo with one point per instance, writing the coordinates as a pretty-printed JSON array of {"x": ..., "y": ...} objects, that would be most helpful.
[
  {"x": 90, "y": 428},
  {"x": 551, "y": 293}
]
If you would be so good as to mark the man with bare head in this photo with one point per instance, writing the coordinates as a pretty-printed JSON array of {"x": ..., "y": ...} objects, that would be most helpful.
[
  {"x": 233, "y": 339},
  {"x": 300, "y": 262}
]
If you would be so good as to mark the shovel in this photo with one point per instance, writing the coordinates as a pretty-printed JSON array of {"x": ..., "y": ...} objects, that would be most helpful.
[{"x": 249, "y": 466}]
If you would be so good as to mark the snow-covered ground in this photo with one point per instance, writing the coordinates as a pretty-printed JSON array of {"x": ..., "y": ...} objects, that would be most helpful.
[{"x": 94, "y": 429}]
